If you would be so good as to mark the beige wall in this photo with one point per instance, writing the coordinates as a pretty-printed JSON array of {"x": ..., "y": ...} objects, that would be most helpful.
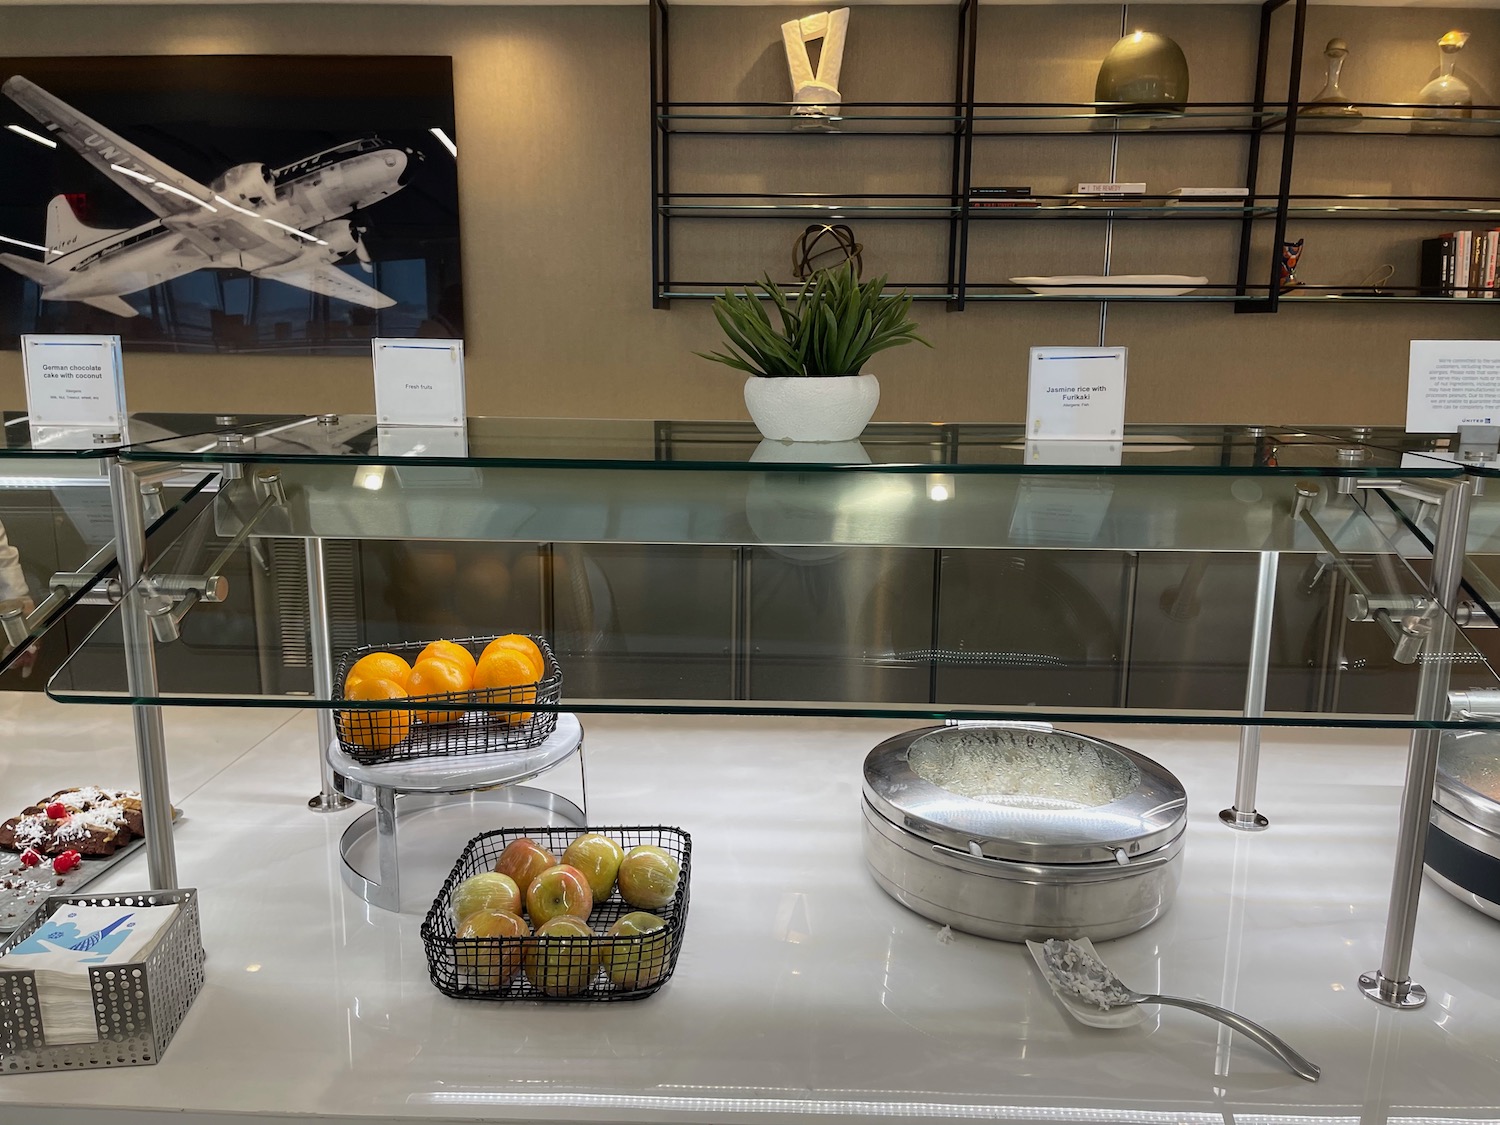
[{"x": 554, "y": 180}]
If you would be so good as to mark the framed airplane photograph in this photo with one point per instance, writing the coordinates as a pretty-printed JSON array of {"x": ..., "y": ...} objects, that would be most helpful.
[{"x": 232, "y": 203}]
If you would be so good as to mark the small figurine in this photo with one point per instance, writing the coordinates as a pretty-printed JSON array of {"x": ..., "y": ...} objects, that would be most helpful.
[
  {"x": 1291, "y": 254},
  {"x": 815, "y": 93}
]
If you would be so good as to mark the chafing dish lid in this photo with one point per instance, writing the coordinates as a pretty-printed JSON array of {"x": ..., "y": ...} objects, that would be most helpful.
[
  {"x": 1025, "y": 792},
  {"x": 1468, "y": 777}
]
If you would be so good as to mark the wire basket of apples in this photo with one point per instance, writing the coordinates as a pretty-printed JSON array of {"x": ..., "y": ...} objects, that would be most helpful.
[{"x": 561, "y": 913}]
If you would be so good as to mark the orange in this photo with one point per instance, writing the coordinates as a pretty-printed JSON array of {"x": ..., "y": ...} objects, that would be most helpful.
[
  {"x": 450, "y": 651},
  {"x": 527, "y": 647},
  {"x": 375, "y": 729},
  {"x": 437, "y": 677},
  {"x": 509, "y": 675},
  {"x": 379, "y": 665}
]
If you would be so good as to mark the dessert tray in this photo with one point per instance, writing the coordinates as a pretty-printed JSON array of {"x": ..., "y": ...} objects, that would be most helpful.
[
  {"x": 1117, "y": 285},
  {"x": 43, "y": 855}
]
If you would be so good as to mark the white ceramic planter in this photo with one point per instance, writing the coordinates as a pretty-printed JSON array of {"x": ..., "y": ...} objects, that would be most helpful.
[{"x": 812, "y": 409}]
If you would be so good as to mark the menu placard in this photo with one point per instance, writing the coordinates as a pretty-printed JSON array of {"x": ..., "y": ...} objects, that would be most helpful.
[{"x": 74, "y": 381}]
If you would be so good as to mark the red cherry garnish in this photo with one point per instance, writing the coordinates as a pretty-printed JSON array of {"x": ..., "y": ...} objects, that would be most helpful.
[
  {"x": 66, "y": 862},
  {"x": 57, "y": 811},
  {"x": 31, "y": 857}
]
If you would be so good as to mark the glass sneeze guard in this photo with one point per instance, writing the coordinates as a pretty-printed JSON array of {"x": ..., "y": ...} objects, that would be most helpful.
[
  {"x": 923, "y": 572},
  {"x": 56, "y": 523}
]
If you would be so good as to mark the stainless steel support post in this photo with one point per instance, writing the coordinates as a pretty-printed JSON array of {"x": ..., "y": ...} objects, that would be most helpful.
[
  {"x": 140, "y": 671},
  {"x": 388, "y": 895},
  {"x": 321, "y": 651},
  {"x": 1391, "y": 984},
  {"x": 1242, "y": 814}
]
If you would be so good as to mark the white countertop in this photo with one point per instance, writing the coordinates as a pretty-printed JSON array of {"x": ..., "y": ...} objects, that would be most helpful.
[{"x": 803, "y": 992}]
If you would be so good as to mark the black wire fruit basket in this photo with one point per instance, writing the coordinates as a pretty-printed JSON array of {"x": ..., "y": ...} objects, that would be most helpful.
[
  {"x": 590, "y": 965},
  {"x": 453, "y": 723}
]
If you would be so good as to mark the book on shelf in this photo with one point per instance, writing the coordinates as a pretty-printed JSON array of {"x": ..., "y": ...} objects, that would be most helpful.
[
  {"x": 1112, "y": 189},
  {"x": 1462, "y": 264},
  {"x": 1013, "y": 196}
]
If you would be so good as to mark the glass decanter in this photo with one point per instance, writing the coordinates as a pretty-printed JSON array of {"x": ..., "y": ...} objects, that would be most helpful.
[
  {"x": 1447, "y": 96},
  {"x": 1330, "y": 103}
]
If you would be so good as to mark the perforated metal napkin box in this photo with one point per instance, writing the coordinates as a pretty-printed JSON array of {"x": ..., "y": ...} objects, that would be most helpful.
[{"x": 138, "y": 1006}]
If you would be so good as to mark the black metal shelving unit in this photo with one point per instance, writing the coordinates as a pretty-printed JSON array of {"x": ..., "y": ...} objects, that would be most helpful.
[{"x": 966, "y": 123}]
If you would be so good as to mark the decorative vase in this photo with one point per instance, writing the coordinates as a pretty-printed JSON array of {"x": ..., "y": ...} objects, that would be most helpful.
[
  {"x": 1447, "y": 97},
  {"x": 1329, "y": 106},
  {"x": 802, "y": 409},
  {"x": 1143, "y": 73},
  {"x": 1291, "y": 254}
]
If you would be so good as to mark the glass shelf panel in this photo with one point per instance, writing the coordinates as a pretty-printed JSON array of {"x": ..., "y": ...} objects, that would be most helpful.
[
  {"x": 1410, "y": 209},
  {"x": 790, "y": 207},
  {"x": 1158, "y": 209},
  {"x": 735, "y": 447},
  {"x": 19, "y": 439},
  {"x": 707, "y": 291},
  {"x": 1084, "y": 118},
  {"x": 1197, "y": 296},
  {"x": 1386, "y": 296},
  {"x": 776, "y": 118},
  {"x": 1092, "y": 598},
  {"x": 1399, "y": 119}
]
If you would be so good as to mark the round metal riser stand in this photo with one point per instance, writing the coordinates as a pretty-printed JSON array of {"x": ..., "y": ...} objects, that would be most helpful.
[{"x": 425, "y": 785}]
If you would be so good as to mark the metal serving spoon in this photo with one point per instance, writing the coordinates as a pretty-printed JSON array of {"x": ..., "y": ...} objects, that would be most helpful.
[{"x": 1088, "y": 988}]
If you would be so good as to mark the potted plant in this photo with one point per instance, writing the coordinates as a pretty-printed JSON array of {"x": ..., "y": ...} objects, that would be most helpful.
[{"x": 806, "y": 366}]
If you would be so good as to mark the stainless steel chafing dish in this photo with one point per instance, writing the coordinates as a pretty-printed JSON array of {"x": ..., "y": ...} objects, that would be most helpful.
[
  {"x": 1018, "y": 831},
  {"x": 1463, "y": 839}
]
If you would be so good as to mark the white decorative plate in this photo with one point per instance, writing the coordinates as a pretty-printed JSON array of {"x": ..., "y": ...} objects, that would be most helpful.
[{"x": 1119, "y": 285}]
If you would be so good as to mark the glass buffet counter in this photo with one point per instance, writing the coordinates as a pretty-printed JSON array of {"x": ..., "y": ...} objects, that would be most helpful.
[{"x": 735, "y": 621}]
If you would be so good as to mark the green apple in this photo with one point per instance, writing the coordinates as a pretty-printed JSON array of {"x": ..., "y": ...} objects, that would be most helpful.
[
  {"x": 566, "y": 960},
  {"x": 491, "y": 964},
  {"x": 489, "y": 890},
  {"x": 637, "y": 955},
  {"x": 598, "y": 857},
  {"x": 648, "y": 877}
]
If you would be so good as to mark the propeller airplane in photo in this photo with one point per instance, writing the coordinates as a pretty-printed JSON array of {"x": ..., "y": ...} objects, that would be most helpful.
[{"x": 291, "y": 224}]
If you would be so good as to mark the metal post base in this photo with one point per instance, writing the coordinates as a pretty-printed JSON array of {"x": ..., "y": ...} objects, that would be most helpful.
[
  {"x": 1244, "y": 821},
  {"x": 328, "y": 802},
  {"x": 1393, "y": 994}
]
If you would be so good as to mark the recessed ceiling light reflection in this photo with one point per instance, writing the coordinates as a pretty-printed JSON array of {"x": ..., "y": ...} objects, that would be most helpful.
[
  {"x": 940, "y": 486},
  {"x": 21, "y": 130},
  {"x": 371, "y": 477}
]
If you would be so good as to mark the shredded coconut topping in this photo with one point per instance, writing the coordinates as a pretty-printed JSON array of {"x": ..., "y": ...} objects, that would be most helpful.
[
  {"x": 1023, "y": 769},
  {"x": 1077, "y": 973}
]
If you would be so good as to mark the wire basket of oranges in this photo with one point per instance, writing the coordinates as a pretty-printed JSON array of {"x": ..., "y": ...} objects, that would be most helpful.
[{"x": 440, "y": 698}]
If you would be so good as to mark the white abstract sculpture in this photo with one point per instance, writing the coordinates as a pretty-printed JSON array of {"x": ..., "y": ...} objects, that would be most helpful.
[{"x": 815, "y": 93}]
